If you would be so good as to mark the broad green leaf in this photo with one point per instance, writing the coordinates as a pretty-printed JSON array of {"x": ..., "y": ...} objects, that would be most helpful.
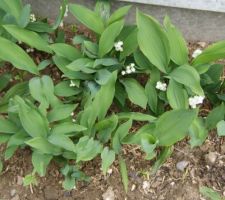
[
  {"x": 4, "y": 138},
  {"x": 102, "y": 76},
  {"x": 197, "y": 132},
  {"x": 44, "y": 63},
  {"x": 62, "y": 141},
  {"x": 87, "y": 149},
  {"x": 42, "y": 90},
  {"x": 135, "y": 91},
  {"x": 29, "y": 37},
  {"x": 18, "y": 139},
  {"x": 148, "y": 144},
  {"x": 105, "y": 127},
  {"x": 108, "y": 37},
  {"x": 9, "y": 152},
  {"x": 35, "y": 124},
  {"x": 120, "y": 134},
  {"x": 141, "y": 60},
  {"x": 40, "y": 162},
  {"x": 69, "y": 183},
  {"x": 136, "y": 116},
  {"x": 215, "y": 116},
  {"x": 82, "y": 64},
  {"x": 63, "y": 89},
  {"x": 90, "y": 49},
  {"x": 14, "y": 7},
  {"x": 108, "y": 157},
  {"x": 153, "y": 41},
  {"x": 130, "y": 44},
  {"x": 177, "y": 95},
  {"x": 178, "y": 47},
  {"x": 103, "y": 9},
  {"x": 212, "y": 53},
  {"x": 152, "y": 96},
  {"x": 189, "y": 77},
  {"x": 105, "y": 62},
  {"x": 172, "y": 126},
  {"x": 221, "y": 128},
  {"x": 124, "y": 173},
  {"x": 43, "y": 146},
  {"x": 6, "y": 126},
  {"x": 210, "y": 193},
  {"x": 12, "y": 53},
  {"x": 67, "y": 127},
  {"x": 119, "y": 14},
  {"x": 87, "y": 17},
  {"x": 61, "y": 112},
  {"x": 24, "y": 16},
  {"x": 66, "y": 51}
]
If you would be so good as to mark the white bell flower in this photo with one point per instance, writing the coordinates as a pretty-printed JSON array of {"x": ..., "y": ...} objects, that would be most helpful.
[
  {"x": 196, "y": 53},
  {"x": 161, "y": 86},
  {"x": 119, "y": 46}
]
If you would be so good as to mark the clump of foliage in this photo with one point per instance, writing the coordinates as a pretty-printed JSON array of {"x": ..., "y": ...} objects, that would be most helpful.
[{"x": 91, "y": 111}]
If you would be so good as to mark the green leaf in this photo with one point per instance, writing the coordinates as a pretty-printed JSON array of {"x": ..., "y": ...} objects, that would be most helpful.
[
  {"x": 148, "y": 144},
  {"x": 124, "y": 174},
  {"x": 82, "y": 64},
  {"x": 69, "y": 183},
  {"x": 108, "y": 37},
  {"x": 197, "y": 132},
  {"x": 153, "y": 41},
  {"x": 120, "y": 134},
  {"x": 87, "y": 17},
  {"x": 163, "y": 156},
  {"x": 136, "y": 116},
  {"x": 43, "y": 146},
  {"x": 135, "y": 92},
  {"x": 44, "y": 63},
  {"x": 118, "y": 14},
  {"x": 66, "y": 51},
  {"x": 63, "y": 89},
  {"x": 216, "y": 115},
  {"x": 67, "y": 127},
  {"x": 4, "y": 80},
  {"x": 210, "y": 193},
  {"x": 108, "y": 157},
  {"x": 90, "y": 49},
  {"x": 105, "y": 127},
  {"x": 103, "y": 9},
  {"x": 152, "y": 96},
  {"x": 130, "y": 44},
  {"x": 61, "y": 112},
  {"x": 25, "y": 16},
  {"x": 172, "y": 126},
  {"x": 87, "y": 149},
  {"x": 35, "y": 124},
  {"x": 221, "y": 128},
  {"x": 18, "y": 139},
  {"x": 29, "y": 37},
  {"x": 13, "y": 7},
  {"x": 141, "y": 60},
  {"x": 105, "y": 62},
  {"x": 29, "y": 179},
  {"x": 40, "y": 162},
  {"x": 6, "y": 126},
  {"x": 189, "y": 77},
  {"x": 212, "y": 53},
  {"x": 178, "y": 47},
  {"x": 62, "y": 141},
  {"x": 10, "y": 151},
  {"x": 12, "y": 53},
  {"x": 177, "y": 95},
  {"x": 42, "y": 90}
]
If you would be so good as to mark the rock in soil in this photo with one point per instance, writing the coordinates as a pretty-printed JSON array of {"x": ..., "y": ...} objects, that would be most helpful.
[
  {"x": 109, "y": 194},
  {"x": 211, "y": 157},
  {"x": 182, "y": 165}
]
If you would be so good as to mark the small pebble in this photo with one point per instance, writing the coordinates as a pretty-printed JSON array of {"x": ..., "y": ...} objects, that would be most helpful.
[
  {"x": 12, "y": 192},
  {"x": 182, "y": 165},
  {"x": 109, "y": 194},
  {"x": 146, "y": 185},
  {"x": 133, "y": 187},
  {"x": 211, "y": 157}
]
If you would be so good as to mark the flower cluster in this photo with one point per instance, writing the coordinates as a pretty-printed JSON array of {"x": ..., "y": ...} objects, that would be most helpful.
[
  {"x": 129, "y": 69},
  {"x": 72, "y": 84},
  {"x": 119, "y": 46},
  {"x": 161, "y": 86},
  {"x": 196, "y": 53},
  {"x": 30, "y": 50},
  {"x": 194, "y": 101},
  {"x": 33, "y": 18}
]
